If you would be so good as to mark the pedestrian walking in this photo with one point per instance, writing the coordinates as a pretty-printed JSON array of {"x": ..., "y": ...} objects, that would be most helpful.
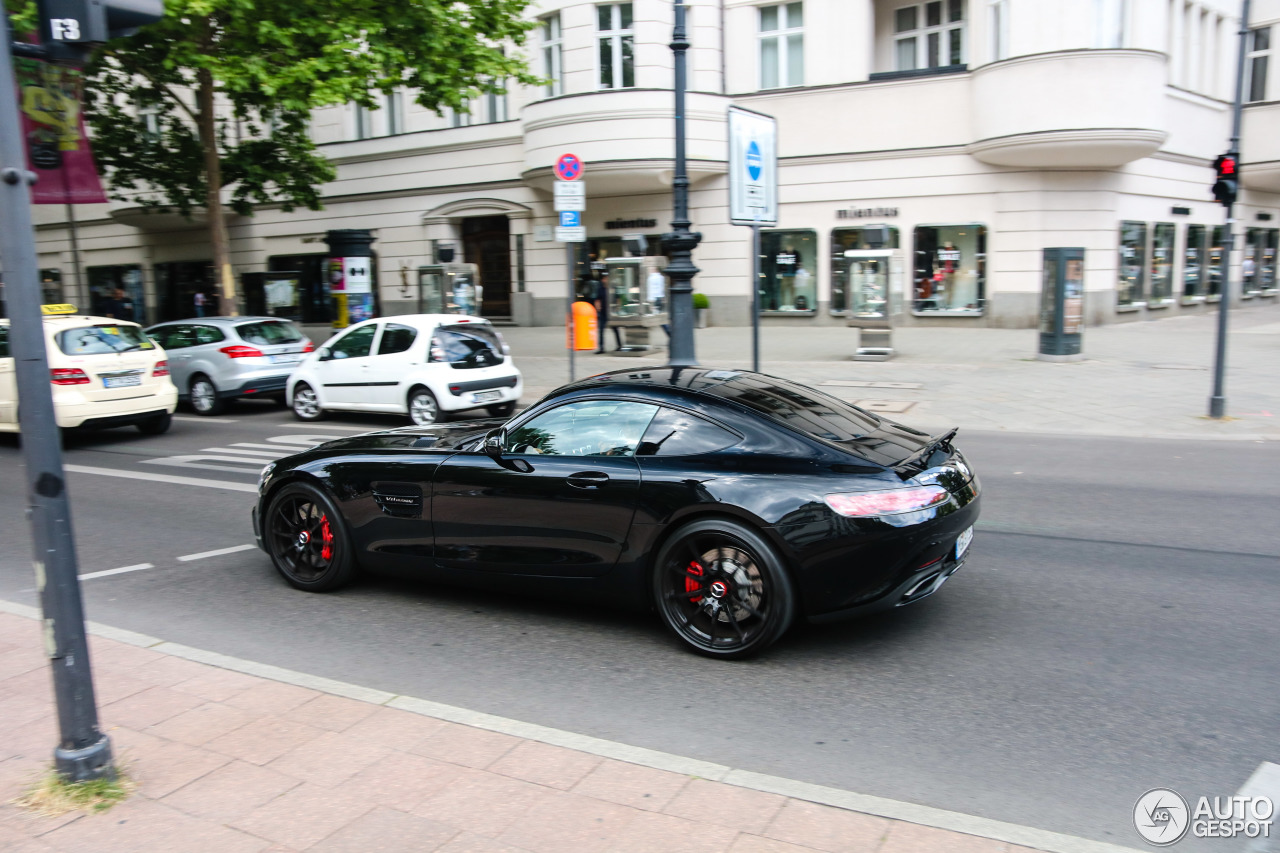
[
  {"x": 602, "y": 310},
  {"x": 656, "y": 285},
  {"x": 199, "y": 301}
]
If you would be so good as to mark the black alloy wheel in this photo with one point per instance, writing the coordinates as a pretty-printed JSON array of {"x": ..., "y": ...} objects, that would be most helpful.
[
  {"x": 502, "y": 410},
  {"x": 307, "y": 540},
  {"x": 721, "y": 588}
]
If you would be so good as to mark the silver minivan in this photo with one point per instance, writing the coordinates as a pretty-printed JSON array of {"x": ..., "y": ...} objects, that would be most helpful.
[{"x": 216, "y": 359}]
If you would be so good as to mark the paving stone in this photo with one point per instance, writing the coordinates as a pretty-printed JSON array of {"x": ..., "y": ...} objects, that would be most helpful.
[
  {"x": 330, "y": 759},
  {"x": 202, "y": 723},
  {"x": 148, "y": 707},
  {"x": 402, "y": 780},
  {"x": 828, "y": 829},
  {"x": 217, "y": 685},
  {"x": 466, "y": 746},
  {"x": 303, "y": 816},
  {"x": 264, "y": 740},
  {"x": 271, "y": 697},
  {"x": 544, "y": 764},
  {"x": 166, "y": 766},
  {"x": 401, "y": 730},
  {"x": 746, "y": 843},
  {"x": 568, "y": 823},
  {"x": 631, "y": 785},
  {"x": 714, "y": 802},
  {"x": 912, "y": 838},
  {"x": 231, "y": 791},
  {"x": 469, "y": 842},
  {"x": 387, "y": 831},
  {"x": 167, "y": 671},
  {"x": 335, "y": 713},
  {"x": 145, "y": 826},
  {"x": 483, "y": 803},
  {"x": 659, "y": 833}
]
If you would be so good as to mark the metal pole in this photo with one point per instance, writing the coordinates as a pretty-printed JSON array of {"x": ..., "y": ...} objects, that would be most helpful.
[
  {"x": 75, "y": 246},
  {"x": 573, "y": 338},
  {"x": 83, "y": 752},
  {"x": 1218, "y": 402},
  {"x": 755, "y": 297},
  {"x": 680, "y": 242}
]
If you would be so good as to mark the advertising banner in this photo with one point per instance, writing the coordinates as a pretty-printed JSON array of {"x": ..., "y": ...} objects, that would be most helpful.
[
  {"x": 351, "y": 283},
  {"x": 53, "y": 131}
]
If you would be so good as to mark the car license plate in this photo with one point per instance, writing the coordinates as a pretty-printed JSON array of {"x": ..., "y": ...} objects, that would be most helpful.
[
  {"x": 486, "y": 396},
  {"x": 962, "y": 543},
  {"x": 287, "y": 358},
  {"x": 120, "y": 381}
]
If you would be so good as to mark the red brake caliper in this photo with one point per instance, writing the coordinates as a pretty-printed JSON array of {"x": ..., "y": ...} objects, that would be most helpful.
[
  {"x": 691, "y": 585},
  {"x": 326, "y": 538}
]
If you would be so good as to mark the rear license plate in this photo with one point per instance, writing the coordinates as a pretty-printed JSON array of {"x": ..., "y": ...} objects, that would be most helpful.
[
  {"x": 486, "y": 396},
  {"x": 120, "y": 381},
  {"x": 962, "y": 543},
  {"x": 287, "y": 358}
]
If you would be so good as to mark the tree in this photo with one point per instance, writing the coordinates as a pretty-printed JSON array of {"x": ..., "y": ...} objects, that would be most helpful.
[{"x": 219, "y": 94}]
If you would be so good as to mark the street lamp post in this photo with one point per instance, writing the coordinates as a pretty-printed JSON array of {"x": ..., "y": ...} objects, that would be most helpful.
[{"x": 680, "y": 242}]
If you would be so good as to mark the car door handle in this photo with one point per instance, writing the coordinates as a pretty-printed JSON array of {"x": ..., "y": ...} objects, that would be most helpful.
[{"x": 587, "y": 479}]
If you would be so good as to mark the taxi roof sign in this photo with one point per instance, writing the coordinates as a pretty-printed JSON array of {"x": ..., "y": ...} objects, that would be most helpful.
[{"x": 63, "y": 308}]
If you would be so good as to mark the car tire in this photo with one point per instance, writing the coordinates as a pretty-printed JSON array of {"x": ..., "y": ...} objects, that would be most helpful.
[
  {"x": 424, "y": 410},
  {"x": 307, "y": 540},
  {"x": 157, "y": 425},
  {"x": 707, "y": 564},
  {"x": 306, "y": 403},
  {"x": 204, "y": 396},
  {"x": 502, "y": 410}
]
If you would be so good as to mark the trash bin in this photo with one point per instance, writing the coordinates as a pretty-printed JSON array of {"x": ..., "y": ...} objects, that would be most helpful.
[
  {"x": 581, "y": 335},
  {"x": 1062, "y": 305}
]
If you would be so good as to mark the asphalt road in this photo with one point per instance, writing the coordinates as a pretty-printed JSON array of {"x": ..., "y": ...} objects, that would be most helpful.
[{"x": 1113, "y": 631}]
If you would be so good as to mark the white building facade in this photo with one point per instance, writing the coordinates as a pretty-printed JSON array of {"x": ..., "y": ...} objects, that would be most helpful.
[{"x": 969, "y": 135}]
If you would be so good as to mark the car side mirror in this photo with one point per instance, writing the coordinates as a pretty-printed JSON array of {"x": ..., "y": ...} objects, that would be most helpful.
[
  {"x": 324, "y": 353},
  {"x": 493, "y": 444}
]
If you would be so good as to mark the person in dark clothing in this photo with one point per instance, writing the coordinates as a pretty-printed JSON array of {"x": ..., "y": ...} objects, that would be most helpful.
[{"x": 602, "y": 311}]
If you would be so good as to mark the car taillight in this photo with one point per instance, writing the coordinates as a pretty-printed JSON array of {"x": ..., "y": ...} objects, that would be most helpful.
[
  {"x": 241, "y": 352},
  {"x": 310, "y": 347},
  {"x": 161, "y": 369},
  {"x": 890, "y": 502},
  {"x": 68, "y": 376}
]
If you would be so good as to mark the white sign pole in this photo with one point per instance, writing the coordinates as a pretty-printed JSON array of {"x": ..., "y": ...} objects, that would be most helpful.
[{"x": 753, "y": 193}]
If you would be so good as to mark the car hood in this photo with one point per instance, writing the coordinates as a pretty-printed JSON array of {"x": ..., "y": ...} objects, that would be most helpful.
[{"x": 441, "y": 437}]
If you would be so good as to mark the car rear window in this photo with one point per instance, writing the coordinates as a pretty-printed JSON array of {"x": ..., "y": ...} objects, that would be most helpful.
[
  {"x": 269, "y": 332},
  {"x": 466, "y": 345},
  {"x": 805, "y": 409},
  {"x": 106, "y": 338}
]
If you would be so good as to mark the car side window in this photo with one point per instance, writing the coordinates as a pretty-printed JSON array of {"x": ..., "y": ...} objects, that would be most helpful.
[
  {"x": 209, "y": 335},
  {"x": 676, "y": 433},
  {"x": 4, "y": 341},
  {"x": 587, "y": 428},
  {"x": 173, "y": 337},
  {"x": 354, "y": 344},
  {"x": 396, "y": 338}
]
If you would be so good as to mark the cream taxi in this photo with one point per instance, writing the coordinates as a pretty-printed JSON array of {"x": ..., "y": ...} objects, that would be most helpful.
[{"x": 104, "y": 373}]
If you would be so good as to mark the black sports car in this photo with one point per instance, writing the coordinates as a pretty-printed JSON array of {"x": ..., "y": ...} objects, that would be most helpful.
[{"x": 730, "y": 501}]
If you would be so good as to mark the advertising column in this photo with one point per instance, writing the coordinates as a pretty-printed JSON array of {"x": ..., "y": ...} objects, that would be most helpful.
[{"x": 350, "y": 275}]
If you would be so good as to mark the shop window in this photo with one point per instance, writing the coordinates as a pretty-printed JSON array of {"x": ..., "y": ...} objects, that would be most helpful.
[
  {"x": 51, "y": 287},
  {"x": 1259, "y": 42},
  {"x": 1217, "y": 252},
  {"x": 1267, "y": 265},
  {"x": 929, "y": 35},
  {"x": 116, "y": 291},
  {"x": 950, "y": 269},
  {"x": 858, "y": 279},
  {"x": 615, "y": 43},
  {"x": 177, "y": 285},
  {"x": 1162, "y": 262},
  {"x": 1133, "y": 247},
  {"x": 1193, "y": 265},
  {"x": 1258, "y": 268},
  {"x": 788, "y": 271},
  {"x": 782, "y": 46},
  {"x": 550, "y": 30}
]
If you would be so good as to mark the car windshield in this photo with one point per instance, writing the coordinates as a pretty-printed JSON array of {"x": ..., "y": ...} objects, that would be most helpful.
[
  {"x": 106, "y": 338},
  {"x": 805, "y": 409},
  {"x": 269, "y": 332}
]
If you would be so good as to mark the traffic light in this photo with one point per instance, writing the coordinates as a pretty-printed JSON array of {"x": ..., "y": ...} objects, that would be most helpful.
[
  {"x": 1226, "y": 187},
  {"x": 70, "y": 29}
]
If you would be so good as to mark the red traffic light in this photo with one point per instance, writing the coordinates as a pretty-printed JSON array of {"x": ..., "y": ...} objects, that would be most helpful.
[{"x": 1225, "y": 166}]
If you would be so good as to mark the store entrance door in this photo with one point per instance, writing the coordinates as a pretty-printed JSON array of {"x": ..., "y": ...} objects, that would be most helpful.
[{"x": 486, "y": 242}]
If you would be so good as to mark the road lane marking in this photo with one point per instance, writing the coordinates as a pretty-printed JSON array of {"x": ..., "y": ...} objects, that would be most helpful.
[
  {"x": 269, "y": 454},
  {"x": 161, "y": 478},
  {"x": 137, "y": 568},
  {"x": 206, "y": 420},
  {"x": 218, "y": 553},
  {"x": 244, "y": 457}
]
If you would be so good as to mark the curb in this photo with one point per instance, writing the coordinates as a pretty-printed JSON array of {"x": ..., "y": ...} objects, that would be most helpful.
[{"x": 996, "y": 830}]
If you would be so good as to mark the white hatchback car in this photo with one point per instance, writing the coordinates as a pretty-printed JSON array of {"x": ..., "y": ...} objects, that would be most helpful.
[
  {"x": 104, "y": 373},
  {"x": 422, "y": 365}
]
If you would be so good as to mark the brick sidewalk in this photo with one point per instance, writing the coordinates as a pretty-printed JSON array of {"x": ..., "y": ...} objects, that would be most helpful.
[{"x": 230, "y": 762}]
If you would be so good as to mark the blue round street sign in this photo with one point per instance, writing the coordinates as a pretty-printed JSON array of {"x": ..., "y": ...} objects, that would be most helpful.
[{"x": 755, "y": 162}]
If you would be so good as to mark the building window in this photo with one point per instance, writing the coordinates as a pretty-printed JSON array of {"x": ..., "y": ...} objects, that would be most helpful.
[
  {"x": 395, "y": 114},
  {"x": 859, "y": 273},
  {"x": 550, "y": 29},
  {"x": 1109, "y": 23},
  {"x": 117, "y": 291},
  {"x": 51, "y": 287},
  {"x": 1133, "y": 247},
  {"x": 1213, "y": 285},
  {"x": 1256, "y": 64},
  {"x": 615, "y": 46},
  {"x": 496, "y": 106},
  {"x": 1162, "y": 262},
  {"x": 1193, "y": 271},
  {"x": 950, "y": 271},
  {"x": 782, "y": 46},
  {"x": 461, "y": 116},
  {"x": 1258, "y": 269},
  {"x": 788, "y": 271},
  {"x": 928, "y": 35},
  {"x": 999, "y": 30},
  {"x": 364, "y": 122}
]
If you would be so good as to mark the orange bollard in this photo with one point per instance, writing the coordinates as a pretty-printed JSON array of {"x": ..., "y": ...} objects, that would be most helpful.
[{"x": 582, "y": 335}]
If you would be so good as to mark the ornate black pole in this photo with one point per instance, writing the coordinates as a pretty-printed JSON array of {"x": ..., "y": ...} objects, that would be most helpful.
[{"x": 681, "y": 241}]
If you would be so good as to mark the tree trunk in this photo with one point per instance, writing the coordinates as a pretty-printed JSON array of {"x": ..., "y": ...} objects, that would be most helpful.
[{"x": 218, "y": 236}]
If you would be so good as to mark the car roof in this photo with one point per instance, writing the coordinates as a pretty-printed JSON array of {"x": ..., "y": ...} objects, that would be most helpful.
[
  {"x": 76, "y": 320},
  {"x": 427, "y": 321},
  {"x": 220, "y": 321}
]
